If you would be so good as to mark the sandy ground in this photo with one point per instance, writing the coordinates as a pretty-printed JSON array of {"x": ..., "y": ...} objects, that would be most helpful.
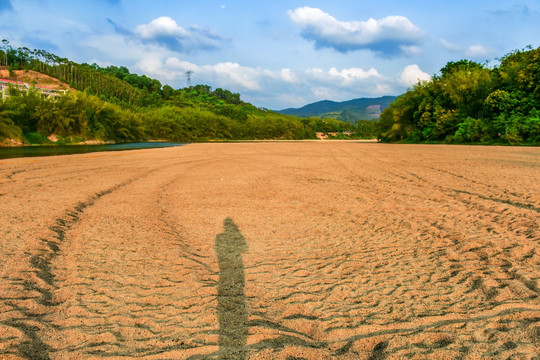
[{"x": 309, "y": 250}]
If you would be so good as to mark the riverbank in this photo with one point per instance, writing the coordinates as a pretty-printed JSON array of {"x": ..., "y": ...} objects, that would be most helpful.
[{"x": 82, "y": 148}]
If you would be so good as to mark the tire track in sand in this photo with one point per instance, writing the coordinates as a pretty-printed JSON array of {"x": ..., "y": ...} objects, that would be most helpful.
[
  {"x": 133, "y": 286},
  {"x": 41, "y": 290}
]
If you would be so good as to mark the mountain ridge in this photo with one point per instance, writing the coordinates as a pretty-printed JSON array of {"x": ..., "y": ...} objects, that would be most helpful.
[{"x": 349, "y": 110}]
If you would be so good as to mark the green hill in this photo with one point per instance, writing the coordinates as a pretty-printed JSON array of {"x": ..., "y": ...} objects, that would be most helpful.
[
  {"x": 113, "y": 104},
  {"x": 349, "y": 111}
]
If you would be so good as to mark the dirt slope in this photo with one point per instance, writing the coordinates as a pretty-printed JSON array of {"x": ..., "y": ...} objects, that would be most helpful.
[
  {"x": 272, "y": 251},
  {"x": 30, "y": 76}
]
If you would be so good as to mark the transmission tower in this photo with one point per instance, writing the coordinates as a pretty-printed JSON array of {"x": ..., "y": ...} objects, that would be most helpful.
[{"x": 188, "y": 78}]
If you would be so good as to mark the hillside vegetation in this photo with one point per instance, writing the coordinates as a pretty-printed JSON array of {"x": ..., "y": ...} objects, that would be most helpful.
[
  {"x": 113, "y": 104},
  {"x": 349, "y": 111},
  {"x": 466, "y": 103},
  {"x": 470, "y": 103}
]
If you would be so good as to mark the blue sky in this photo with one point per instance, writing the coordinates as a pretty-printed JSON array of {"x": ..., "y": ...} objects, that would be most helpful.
[{"x": 277, "y": 54}]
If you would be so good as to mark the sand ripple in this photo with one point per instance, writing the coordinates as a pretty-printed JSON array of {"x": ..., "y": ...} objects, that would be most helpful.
[{"x": 272, "y": 251}]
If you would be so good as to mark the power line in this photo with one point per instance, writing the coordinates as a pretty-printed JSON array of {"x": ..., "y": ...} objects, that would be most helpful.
[{"x": 192, "y": 78}]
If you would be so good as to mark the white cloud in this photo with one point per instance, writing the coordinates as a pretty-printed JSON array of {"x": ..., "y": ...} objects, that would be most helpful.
[
  {"x": 412, "y": 74},
  {"x": 122, "y": 50},
  {"x": 448, "y": 45},
  {"x": 274, "y": 88},
  {"x": 388, "y": 36},
  {"x": 410, "y": 50},
  {"x": 474, "y": 51},
  {"x": 350, "y": 78},
  {"x": 477, "y": 51},
  {"x": 346, "y": 83},
  {"x": 354, "y": 74},
  {"x": 246, "y": 77},
  {"x": 288, "y": 76},
  {"x": 223, "y": 74},
  {"x": 166, "y": 32},
  {"x": 161, "y": 27}
]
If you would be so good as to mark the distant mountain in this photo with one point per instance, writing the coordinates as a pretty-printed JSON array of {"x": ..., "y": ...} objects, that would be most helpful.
[{"x": 351, "y": 110}]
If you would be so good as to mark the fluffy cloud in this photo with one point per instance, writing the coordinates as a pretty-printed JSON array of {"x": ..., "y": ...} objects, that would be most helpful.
[
  {"x": 277, "y": 88},
  {"x": 478, "y": 51},
  {"x": 224, "y": 74},
  {"x": 389, "y": 36},
  {"x": 345, "y": 77},
  {"x": 411, "y": 75},
  {"x": 474, "y": 51},
  {"x": 161, "y": 27},
  {"x": 166, "y": 32},
  {"x": 346, "y": 83}
]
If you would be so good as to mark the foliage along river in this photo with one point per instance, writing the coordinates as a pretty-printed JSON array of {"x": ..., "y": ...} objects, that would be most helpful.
[{"x": 50, "y": 150}]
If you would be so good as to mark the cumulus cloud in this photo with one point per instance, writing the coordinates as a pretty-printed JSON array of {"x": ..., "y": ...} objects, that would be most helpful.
[
  {"x": 389, "y": 36},
  {"x": 166, "y": 32},
  {"x": 223, "y": 74},
  {"x": 345, "y": 77},
  {"x": 274, "y": 88},
  {"x": 412, "y": 74},
  {"x": 161, "y": 27},
  {"x": 351, "y": 81},
  {"x": 288, "y": 76}
]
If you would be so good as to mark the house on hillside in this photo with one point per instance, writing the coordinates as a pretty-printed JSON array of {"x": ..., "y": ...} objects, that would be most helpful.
[{"x": 6, "y": 85}]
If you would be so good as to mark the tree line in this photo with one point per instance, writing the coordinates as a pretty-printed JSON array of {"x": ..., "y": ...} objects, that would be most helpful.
[
  {"x": 471, "y": 103},
  {"x": 113, "y": 104},
  {"x": 78, "y": 116}
]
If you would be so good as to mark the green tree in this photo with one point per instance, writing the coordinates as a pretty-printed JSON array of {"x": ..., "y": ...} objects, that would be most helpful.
[{"x": 8, "y": 128}]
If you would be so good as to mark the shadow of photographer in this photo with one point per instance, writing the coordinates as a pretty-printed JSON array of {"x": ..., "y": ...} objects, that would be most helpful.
[{"x": 232, "y": 312}]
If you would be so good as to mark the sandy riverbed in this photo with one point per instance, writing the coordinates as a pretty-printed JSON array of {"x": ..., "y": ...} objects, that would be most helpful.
[{"x": 309, "y": 250}]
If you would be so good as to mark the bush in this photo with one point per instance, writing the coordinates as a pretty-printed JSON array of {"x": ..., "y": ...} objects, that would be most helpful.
[
  {"x": 36, "y": 138},
  {"x": 469, "y": 130}
]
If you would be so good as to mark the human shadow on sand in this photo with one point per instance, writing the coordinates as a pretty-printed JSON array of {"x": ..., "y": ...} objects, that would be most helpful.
[{"x": 231, "y": 311}]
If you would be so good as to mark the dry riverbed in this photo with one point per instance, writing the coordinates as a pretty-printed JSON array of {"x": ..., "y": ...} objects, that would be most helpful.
[{"x": 308, "y": 250}]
